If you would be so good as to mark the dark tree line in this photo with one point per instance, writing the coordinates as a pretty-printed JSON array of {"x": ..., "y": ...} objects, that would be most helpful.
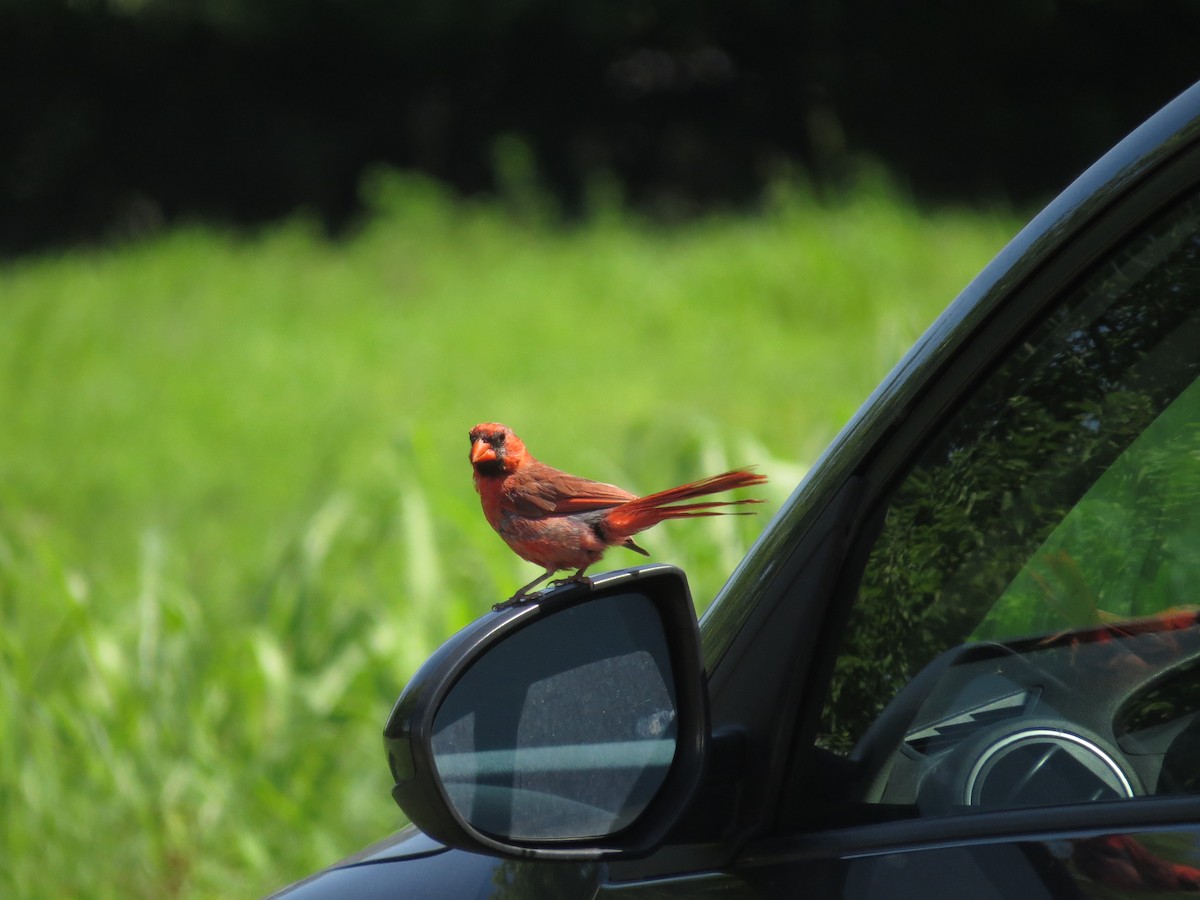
[{"x": 119, "y": 115}]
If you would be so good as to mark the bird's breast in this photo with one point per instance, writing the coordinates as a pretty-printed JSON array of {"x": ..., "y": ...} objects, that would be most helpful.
[{"x": 561, "y": 542}]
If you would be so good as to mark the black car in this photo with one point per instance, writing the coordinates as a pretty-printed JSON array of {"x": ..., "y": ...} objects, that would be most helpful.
[{"x": 962, "y": 661}]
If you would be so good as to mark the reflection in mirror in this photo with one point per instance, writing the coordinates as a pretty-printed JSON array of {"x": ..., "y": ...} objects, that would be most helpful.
[{"x": 564, "y": 730}]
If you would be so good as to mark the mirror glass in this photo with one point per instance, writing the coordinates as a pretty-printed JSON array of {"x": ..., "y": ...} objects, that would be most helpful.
[{"x": 565, "y": 729}]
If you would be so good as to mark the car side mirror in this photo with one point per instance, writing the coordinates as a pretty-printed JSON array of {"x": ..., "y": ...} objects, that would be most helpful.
[{"x": 570, "y": 726}]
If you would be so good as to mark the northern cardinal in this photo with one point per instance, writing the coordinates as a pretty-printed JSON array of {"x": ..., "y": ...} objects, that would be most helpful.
[{"x": 562, "y": 521}]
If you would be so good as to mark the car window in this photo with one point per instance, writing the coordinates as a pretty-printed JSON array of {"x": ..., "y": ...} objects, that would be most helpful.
[{"x": 1026, "y": 627}]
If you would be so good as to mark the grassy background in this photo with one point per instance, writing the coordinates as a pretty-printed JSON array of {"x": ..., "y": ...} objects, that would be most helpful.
[{"x": 235, "y": 506}]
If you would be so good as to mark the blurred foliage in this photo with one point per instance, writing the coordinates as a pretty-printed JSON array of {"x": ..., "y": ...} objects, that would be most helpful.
[
  {"x": 126, "y": 115},
  {"x": 236, "y": 509}
]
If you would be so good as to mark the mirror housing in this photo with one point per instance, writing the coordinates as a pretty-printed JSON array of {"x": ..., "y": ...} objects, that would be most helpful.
[{"x": 571, "y": 726}]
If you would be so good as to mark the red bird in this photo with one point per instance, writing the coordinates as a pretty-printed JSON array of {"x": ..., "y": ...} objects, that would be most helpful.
[{"x": 562, "y": 521}]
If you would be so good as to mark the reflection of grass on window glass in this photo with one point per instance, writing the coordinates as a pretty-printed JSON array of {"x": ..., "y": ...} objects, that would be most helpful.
[
  {"x": 976, "y": 518},
  {"x": 1130, "y": 547}
]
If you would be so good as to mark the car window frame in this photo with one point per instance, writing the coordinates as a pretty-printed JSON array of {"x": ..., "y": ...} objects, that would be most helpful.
[
  {"x": 802, "y": 811},
  {"x": 766, "y": 635}
]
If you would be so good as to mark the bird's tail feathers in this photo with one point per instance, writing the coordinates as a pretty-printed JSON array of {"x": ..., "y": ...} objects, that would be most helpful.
[{"x": 645, "y": 512}]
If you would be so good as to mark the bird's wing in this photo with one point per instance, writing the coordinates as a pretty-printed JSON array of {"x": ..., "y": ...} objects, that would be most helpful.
[{"x": 541, "y": 490}]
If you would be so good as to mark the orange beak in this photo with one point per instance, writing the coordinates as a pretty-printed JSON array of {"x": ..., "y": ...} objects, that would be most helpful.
[{"x": 482, "y": 451}]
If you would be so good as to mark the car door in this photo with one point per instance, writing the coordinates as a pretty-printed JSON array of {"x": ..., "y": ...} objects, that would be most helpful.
[
  {"x": 1005, "y": 696},
  {"x": 1013, "y": 701}
]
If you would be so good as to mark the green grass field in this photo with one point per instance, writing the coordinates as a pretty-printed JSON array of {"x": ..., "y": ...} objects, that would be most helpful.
[{"x": 236, "y": 510}]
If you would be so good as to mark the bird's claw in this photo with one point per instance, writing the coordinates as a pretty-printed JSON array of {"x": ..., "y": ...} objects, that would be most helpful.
[
  {"x": 517, "y": 599},
  {"x": 521, "y": 597}
]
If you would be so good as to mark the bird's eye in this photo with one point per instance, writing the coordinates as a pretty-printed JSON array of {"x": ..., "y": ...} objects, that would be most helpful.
[{"x": 498, "y": 439}]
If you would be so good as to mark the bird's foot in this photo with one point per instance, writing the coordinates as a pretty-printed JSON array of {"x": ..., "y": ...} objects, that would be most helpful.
[
  {"x": 520, "y": 597},
  {"x": 570, "y": 579},
  {"x": 524, "y": 596}
]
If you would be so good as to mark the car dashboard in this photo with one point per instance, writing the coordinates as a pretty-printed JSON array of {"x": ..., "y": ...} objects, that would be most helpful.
[{"x": 1103, "y": 713}]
